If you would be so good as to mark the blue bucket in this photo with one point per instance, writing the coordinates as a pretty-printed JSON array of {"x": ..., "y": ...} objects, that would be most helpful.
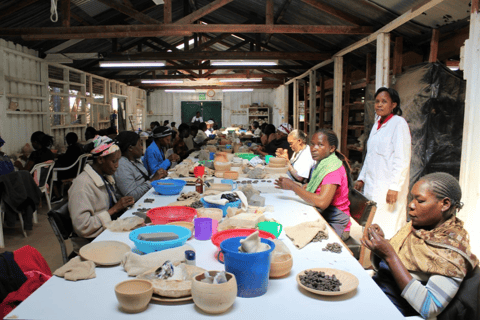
[{"x": 250, "y": 269}]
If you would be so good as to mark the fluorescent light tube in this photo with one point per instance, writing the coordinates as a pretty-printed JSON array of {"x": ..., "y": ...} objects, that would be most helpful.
[
  {"x": 126, "y": 64},
  {"x": 237, "y": 90},
  {"x": 162, "y": 81},
  {"x": 180, "y": 90},
  {"x": 240, "y": 80},
  {"x": 243, "y": 62}
]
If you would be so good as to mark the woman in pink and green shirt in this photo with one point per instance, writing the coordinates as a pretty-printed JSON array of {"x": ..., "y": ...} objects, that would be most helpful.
[{"x": 329, "y": 182}]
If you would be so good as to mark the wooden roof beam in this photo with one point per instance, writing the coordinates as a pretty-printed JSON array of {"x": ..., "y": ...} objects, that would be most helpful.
[
  {"x": 202, "y": 67},
  {"x": 211, "y": 76},
  {"x": 211, "y": 42},
  {"x": 141, "y": 31},
  {"x": 163, "y": 87},
  {"x": 129, "y": 11},
  {"x": 223, "y": 55},
  {"x": 192, "y": 17},
  {"x": 334, "y": 12}
]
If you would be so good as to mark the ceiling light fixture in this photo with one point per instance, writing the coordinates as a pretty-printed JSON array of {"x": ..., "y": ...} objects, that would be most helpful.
[
  {"x": 127, "y": 64},
  {"x": 162, "y": 81},
  {"x": 237, "y": 90},
  {"x": 180, "y": 90},
  {"x": 243, "y": 62},
  {"x": 240, "y": 80}
]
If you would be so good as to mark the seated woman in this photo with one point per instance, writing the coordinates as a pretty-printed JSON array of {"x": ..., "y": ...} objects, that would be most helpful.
[
  {"x": 201, "y": 138},
  {"x": 329, "y": 184},
  {"x": 179, "y": 144},
  {"x": 154, "y": 157},
  {"x": 280, "y": 142},
  {"x": 91, "y": 198},
  {"x": 268, "y": 134},
  {"x": 131, "y": 177},
  {"x": 423, "y": 265},
  {"x": 41, "y": 142},
  {"x": 301, "y": 163}
]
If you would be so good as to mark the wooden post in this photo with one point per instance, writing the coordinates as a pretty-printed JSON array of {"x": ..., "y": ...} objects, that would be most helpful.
[
  {"x": 269, "y": 12},
  {"x": 469, "y": 168},
  {"x": 398, "y": 56},
  {"x": 346, "y": 110},
  {"x": 321, "y": 106},
  {"x": 382, "y": 78},
  {"x": 337, "y": 97},
  {"x": 66, "y": 13},
  {"x": 312, "y": 104},
  {"x": 167, "y": 11},
  {"x": 306, "y": 115},
  {"x": 434, "y": 46},
  {"x": 296, "y": 118},
  {"x": 368, "y": 69}
]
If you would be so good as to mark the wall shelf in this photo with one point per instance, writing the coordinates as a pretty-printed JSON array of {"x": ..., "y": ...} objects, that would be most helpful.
[{"x": 26, "y": 112}]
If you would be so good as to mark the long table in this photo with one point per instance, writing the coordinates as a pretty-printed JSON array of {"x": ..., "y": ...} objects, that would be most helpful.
[{"x": 95, "y": 298}]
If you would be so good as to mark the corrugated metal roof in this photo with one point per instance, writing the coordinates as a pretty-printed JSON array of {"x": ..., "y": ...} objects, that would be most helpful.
[{"x": 91, "y": 7}]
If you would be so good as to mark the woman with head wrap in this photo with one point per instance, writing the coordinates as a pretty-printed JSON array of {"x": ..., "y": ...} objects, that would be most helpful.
[
  {"x": 329, "y": 183},
  {"x": 41, "y": 142},
  {"x": 179, "y": 145},
  {"x": 92, "y": 199},
  {"x": 280, "y": 142},
  {"x": 132, "y": 177},
  {"x": 421, "y": 268},
  {"x": 154, "y": 157}
]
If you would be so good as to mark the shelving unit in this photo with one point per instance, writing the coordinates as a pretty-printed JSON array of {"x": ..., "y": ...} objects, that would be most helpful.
[{"x": 258, "y": 113}]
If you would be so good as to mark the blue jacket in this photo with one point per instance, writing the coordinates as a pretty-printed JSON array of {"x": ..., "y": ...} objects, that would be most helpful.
[{"x": 154, "y": 159}]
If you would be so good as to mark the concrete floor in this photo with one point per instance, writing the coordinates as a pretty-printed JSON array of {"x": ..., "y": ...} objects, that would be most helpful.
[{"x": 41, "y": 238}]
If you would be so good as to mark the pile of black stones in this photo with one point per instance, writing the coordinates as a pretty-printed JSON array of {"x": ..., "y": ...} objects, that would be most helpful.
[
  {"x": 196, "y": 204},
  {"x": 321, "y": 235},
  {"x": 333, "y": 247},
  {"x": 231, "y": 197},
  {"x": 319, "y": 281}
]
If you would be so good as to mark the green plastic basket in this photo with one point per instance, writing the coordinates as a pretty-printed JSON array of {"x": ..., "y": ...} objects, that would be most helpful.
[{"x": 248, "y": 156}]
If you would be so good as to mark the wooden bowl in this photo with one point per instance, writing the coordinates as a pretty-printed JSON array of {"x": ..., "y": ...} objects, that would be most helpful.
[
  {"x": 213, "y": 213},
  {"x": 134, "y": 295},
  {"x": 214, "y": 298},
  {"x": 230, "y": 175},
  {"x": 281, "y": 267},
  {"x": 222, "y": 166}
]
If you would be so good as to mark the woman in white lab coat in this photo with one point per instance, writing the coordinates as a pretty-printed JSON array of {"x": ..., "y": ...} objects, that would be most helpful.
[{"x": 385, "y": 173}]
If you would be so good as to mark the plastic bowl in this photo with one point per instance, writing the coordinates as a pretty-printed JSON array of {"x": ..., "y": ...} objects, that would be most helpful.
[
  {"x": 235, "y": 204},
  {"x": 248, "y": 156},
  {"x": 168, "y": 186},
  {"x": 152, "y": 246},
  {"x": 164, "y": 215}
]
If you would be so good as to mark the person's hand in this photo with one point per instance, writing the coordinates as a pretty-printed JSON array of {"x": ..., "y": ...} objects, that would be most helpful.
[
  {"x": 392, "y": 196},
  {"x": 174, "y": 157},
  {"x": 282, "y": 153},
  {"x": 377, "y": 242},
  {"x": 358, "y": 185},
  {"x": 122, "y": 204},
  {"x": 160, "y": 174},
  {"x": 284, "y": 183}
]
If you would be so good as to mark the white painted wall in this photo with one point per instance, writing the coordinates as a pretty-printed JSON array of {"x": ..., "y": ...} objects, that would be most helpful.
[{"x": 167, "y": 105}]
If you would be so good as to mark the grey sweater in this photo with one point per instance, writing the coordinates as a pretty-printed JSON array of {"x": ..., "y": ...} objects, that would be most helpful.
[{"x": 129, "y": 180}]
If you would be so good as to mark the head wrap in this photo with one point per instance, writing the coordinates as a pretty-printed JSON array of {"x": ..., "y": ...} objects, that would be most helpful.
[
  {"x": 210, "y": 122},
  {"x": 125, "y": 139},
  {"x": 161, "y": 132},
  {"x": 103, "y": 146},
  {"x": 285, "y": 128}
]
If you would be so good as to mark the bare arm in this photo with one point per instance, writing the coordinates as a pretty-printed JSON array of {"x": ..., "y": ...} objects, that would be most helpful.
[{"x": 321, "y": 201}]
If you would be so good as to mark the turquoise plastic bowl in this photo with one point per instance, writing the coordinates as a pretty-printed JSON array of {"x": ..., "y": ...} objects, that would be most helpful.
[{"x": 151, "y": 246}]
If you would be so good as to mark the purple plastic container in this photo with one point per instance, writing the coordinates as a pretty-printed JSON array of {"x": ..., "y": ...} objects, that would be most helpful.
[{"x": 203, "y": 228}]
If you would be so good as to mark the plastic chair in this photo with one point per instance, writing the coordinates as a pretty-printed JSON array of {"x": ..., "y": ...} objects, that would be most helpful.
[
  {"x": 362, "y": 211},
  {"x": 61, "y": 223},
  {"x": 81, "y": 161},
  {"x": 44, "y": 186}
]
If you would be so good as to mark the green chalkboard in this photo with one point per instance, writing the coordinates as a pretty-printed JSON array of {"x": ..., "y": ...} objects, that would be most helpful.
[{"x": 208, "y": 109}]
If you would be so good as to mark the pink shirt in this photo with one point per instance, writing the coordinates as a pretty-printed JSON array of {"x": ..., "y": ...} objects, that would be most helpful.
[{"x": 340, "y": 198}]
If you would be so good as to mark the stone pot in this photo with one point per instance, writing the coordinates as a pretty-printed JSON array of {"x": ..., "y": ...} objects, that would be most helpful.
[
  {"x": 221, "y": 157},
  {"x": 281, "y": 266},
  {"x": 230, "y": 175},
  {"x": 214, "y": 298},
  {"x": 134, "y": 295},
  {"x": 222, "y": 165}
]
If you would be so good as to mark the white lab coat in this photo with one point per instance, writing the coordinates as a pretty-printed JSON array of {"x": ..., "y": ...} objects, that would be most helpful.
[{"x": 387, "y": 167}]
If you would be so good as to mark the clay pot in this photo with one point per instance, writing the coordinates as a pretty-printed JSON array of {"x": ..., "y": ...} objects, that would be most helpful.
[
  {"x": 219, "y": 174},
  {"x": 214, "y": 298},
  {"x": 277, "y": 162},
  {"x": 272, "y": 170},
  {"x": 134, "y": 295},
  {"x": 221, "y": 157},
  {"x": 230, "y": 156},
  {"x": 211, "y": 148},
  {"x": 213, "y": 213},
  {"x": 230, "y": 175},
  {"x": 236, "y": 169},
  {"x": 281, "y": 267},
  {"x": 222, "y": 166}
]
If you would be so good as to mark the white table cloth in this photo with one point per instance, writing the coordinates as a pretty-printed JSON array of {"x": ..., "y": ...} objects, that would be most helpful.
[{"x": 95, "y": 298}]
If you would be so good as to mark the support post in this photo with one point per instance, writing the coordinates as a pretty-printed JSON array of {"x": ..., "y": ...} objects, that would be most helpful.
[
  {"x": 346, "y": 110},
  {"x": 167, "y": 11},
  {"x": 66, "y": 13},
  {"x": 398, "y": 56},
  {"x": 312, "y": 103},
  {"x": 337, "y": 97},
  {"x": 434, "y": 46},
  {"x": 382, "y": 77},
  {"x": 469, "y": 168},
  {"x": 296, "y": 117},
  {"x": 321, "y": 107}
]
